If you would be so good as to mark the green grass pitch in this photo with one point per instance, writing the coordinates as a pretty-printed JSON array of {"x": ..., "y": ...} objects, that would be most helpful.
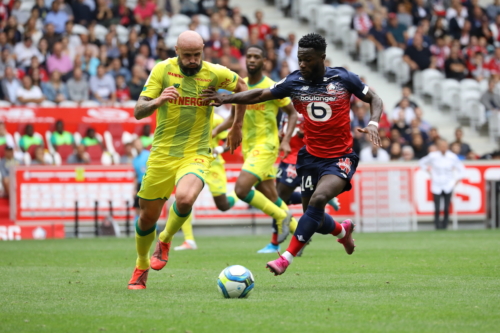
[{"x": 397, "y": 282}]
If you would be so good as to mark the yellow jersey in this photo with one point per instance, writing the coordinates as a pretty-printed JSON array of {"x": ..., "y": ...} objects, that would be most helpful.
[
  {"x": 184, "y": 125},
  {"x": 217, "y": 120},
  {"x": 259, "y": 125}
]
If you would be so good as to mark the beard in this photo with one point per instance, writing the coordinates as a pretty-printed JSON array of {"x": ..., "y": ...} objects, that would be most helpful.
[
  {"x": 189, "y": 70},
  {"x": 255, "y": 70}
]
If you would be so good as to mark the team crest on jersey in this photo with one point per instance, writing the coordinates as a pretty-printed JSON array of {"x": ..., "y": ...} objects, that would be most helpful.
[
  {"x": 331, "y": 88},
  {"x": 345, "y": 164}
]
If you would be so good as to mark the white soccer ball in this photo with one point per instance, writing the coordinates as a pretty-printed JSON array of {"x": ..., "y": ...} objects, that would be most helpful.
[{"x": 235, "y": 282}]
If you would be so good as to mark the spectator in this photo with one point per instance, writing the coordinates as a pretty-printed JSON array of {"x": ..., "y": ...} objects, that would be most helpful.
[
  {"x": 51, "y": 37},
  {"x": 7, "y": 162},
  {"x": 417, "y": 56},
  {"x": 464, "y": 147},
  {"x": 378, "y": 34},
  {"x": 405, "y": 111},
  {"x": 29, "y": 138},
  {"x": 60, "y": 136},
  {"x": 90, "y": 62},
  {"x": 494, "y": 63},
  {"x": 241, "y": 30},
  {"x": 455, "y": 149},
  {"x": 80, "y": 156},
  {"x": 55, "y": 90},
  {"x": 139, "y": 164},
  {"x": 360, "y": 117},
  {"x": 146, "y": 137},
  {"x": 91, "y": 139},
  {"x": 493, "y": 10},
  {"x": 39, "y": 158},
  {"x": 6, "y": 60},
  {"x": 59, "y": 61},
  {"x": 395, "y": 151},
  {"x": 407, "y": 153},
  {"x": 43, "y": 47},
  {"x": 41, "y": 9},
  {"x": 144, "y": 9},
  {"x": 455, "y": 66},
  {"x": 495, "y": 31},
  {"x": 125, "y": 15},
  {"x": 31, "y": 30},
  {"x": 4, "y": 44},
  {"x": 128, "y": 156},
  {"x": 5, "y": 138},
  {"x": 10, "y": 85},
  {"x": 122, "y": 90},
  {"x": 57, "y": 17},
  {"x": 490, "y": 98},
  {"x": 433, "y": 136},
  {"x": 438, "y": 29},
  {"x": 441, "y": 166},
  {"x": 418, "y": 145},
  {"x": 423, "y": 125},
  {"x": 78, "y": 87},
  {"x": 404, "y": 16},
  {"x": 137, "y": 82},
  {"x": 14, "y": 36},
  {"x": 477, "y": 67},
  {"x": 29, "y": 94},
  {"x": 203, "y": 30},
  {"x": 102, "y": 87},
  {"x": 259, "y": 26},
  {"x": 103, "y": 13},
  {"x": 440, "y": 51},
  {"x": 82, "y": 13},
  {"x": 25, "y": 51},
  {"x": 116, "y": 70},
  {"x": 397, "y": 32},
  {"x": 420, "y": 11},
  {"x": 373, "y": 153}
]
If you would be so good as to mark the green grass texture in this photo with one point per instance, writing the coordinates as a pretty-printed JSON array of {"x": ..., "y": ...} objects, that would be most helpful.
[{"x": 394, "y": 282}]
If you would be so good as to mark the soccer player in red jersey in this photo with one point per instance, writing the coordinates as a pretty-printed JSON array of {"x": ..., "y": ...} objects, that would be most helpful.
[{"x": 327, "y": 162}]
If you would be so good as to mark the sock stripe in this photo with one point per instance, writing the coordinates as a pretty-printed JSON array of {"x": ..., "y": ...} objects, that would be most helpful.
[
  {"x": 278, "y": 202},
  {"x": 143, "y": 233},
  {"x": 177, "y": 212},
  {"x": 249, "y": 196}
]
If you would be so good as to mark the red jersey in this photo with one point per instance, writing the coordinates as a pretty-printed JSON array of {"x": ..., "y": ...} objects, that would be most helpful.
[{"x": 325, "y": 105}]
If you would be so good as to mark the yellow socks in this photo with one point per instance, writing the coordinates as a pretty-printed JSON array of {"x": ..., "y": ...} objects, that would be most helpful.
[
  {"x": 293, "y": 222},
  {"x": 143, "y": 241},
  {"x": 174, "y": 223},
  {"x": 187, "y": 229},
  {"x": 259, "y": 201}
]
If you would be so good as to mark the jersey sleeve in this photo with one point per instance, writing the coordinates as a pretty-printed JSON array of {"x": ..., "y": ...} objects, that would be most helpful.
[
  {"x": 282, "y": 88},
  {"x": 227, "y": 78},
  {"x": 283, "y": 102},
  {"x": 154, "y": 83},
  {"x": 355, "y": 86}
]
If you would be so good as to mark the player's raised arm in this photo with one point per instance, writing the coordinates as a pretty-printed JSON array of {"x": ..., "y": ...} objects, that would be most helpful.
[
  {"x": 376, "y": 109},
  {"x": 253, "y": 96}
]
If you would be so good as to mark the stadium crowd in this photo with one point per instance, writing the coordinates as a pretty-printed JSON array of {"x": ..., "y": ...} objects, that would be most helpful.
[{"x": 90, "y": 53}]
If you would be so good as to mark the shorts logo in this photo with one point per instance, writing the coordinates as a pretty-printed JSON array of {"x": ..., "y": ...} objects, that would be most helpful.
[
  {"x": 291, "y": 171},
  {"x": 345, "y": 164}
]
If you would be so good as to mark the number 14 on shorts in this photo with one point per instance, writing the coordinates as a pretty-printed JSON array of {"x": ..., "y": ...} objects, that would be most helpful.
[{"x": 307, "y": 184}]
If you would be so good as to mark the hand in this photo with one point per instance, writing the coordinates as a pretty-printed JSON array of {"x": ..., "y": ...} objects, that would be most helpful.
[
  {"x": 211, "y": 95},
  {"x": 168, "y": 94},
  {"x": 234, "y": 138},
  {"x": 285, "y": 148},
  {"x": 373, "y": 136}
]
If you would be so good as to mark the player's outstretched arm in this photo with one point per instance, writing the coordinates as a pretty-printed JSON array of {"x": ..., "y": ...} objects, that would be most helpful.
[
  {"x": 146, "y": 105},
  {"x": 234, "y": 136},
  {"x": 376, "y": 109},
  {"x": 292, "y": 121},
  {"x": 253, "y": 96}
]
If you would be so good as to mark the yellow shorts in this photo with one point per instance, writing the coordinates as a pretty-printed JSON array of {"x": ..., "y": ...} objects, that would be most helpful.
[
  {"x": 161, "y": 177},
  {"x": 216, "y": 178},
  {"x": 260, "y": 162}
]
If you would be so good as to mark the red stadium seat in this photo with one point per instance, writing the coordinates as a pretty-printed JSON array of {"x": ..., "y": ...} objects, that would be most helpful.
[
  {"x": 31, "y": 150},
  {"x": 64, "y": 151},
  {"x": 2, "y": 150},
  {"x": 95, "y": 153},
  {"x": 116, "y": 131},
  {"x": 82, "y": 129}
]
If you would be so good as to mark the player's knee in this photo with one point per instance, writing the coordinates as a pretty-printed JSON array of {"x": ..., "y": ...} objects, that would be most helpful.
[
  {"x": 147, "y": 219},
  {"x": 223, "y": 207},
  {"x": 318, "y": 200},
  {"x": 184, "y": 203},
  {"x": 241, "y": 193}
]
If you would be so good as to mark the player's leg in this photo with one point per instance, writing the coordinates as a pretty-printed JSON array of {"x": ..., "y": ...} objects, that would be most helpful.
[
  {"x": 187, "y": 230},
  {"x": 244, "y": 191},
  {"x": 145, "y": 234},
  {"x": 217, "y": 184},
  {"x": 286, "y": 183},
  {"x": 447, "y": 201},
  {"x": 437, "y": 202}
]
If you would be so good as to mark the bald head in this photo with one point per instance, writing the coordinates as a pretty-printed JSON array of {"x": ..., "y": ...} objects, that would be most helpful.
[
  {"x": 189, "y": 50},
  {"x": 189, "y": 40}
]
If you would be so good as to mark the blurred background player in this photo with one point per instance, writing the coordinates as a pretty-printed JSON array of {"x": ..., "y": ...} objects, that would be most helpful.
[
  {"x": 261, "y": 147},
  {"x": 140, "y": 164},
  {"x": 287, "y": 180},
  {"x": 327, "y": 163},
  {"x": 216, "y": 181},
  {"x": 181, "y": 152}
]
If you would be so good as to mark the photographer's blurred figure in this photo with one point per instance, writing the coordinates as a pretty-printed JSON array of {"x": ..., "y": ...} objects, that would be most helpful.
[
  {"x": 139, "y": 164},
  {"x": 446, "y": 171}
]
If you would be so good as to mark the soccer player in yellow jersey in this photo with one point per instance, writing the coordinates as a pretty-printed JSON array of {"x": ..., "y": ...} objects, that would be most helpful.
[
  {"x": 181, "y": 152},
  {"x": 261, "y": 147},
  {"x": 216, "y": 181}
]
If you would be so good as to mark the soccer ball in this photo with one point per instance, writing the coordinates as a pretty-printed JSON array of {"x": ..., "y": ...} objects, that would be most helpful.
[{"x": 235, "y": 282}]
